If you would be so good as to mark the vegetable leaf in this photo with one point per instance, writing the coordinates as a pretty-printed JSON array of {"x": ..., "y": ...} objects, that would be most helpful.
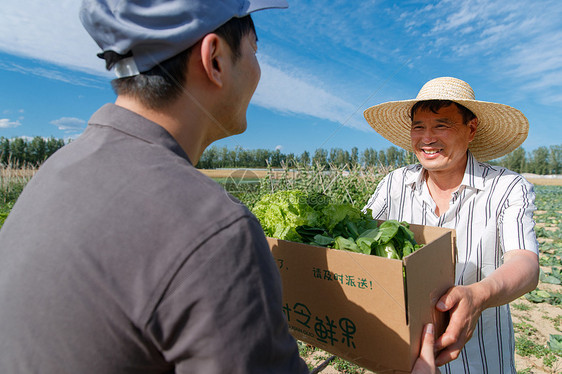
[
  {"x": 555, "y": 343},
  {"x": 315, "y": 219}
]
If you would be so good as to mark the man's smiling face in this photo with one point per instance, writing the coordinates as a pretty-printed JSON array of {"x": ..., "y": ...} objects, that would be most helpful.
[{"x": 440, "y": 140}]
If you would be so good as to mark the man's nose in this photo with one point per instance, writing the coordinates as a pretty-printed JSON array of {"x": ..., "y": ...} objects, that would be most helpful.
[{"x": 428, "y": 136}]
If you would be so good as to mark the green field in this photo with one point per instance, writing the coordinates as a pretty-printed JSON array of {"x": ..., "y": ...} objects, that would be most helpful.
[{"x": 537, "y": 315}]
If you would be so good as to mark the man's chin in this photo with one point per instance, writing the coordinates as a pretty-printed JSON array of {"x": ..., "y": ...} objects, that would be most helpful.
[{"x": 431, "y": 165}]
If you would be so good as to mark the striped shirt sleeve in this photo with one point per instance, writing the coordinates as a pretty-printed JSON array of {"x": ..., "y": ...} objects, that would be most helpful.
[
  {"x": 378, "y": 203},
  {"x": 517, "y": 221}
]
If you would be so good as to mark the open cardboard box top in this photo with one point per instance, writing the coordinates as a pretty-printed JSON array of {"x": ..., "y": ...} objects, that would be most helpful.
[{"x": 366, "y": 309}]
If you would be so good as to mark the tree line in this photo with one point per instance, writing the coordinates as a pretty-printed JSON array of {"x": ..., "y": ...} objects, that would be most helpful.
[
  {"x": 223, "y": 157},
  {"x": 542, "y": 161},
  {"x": 18, "y": 152}
]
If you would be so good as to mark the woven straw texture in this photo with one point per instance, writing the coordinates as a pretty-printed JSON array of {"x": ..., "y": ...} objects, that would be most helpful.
[{"x": 501, "y": 128}]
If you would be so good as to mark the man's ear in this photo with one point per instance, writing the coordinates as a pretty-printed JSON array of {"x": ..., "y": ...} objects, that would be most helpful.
[
  {"x": 473, "y": 126},
  {"x": 213, "y": 55}
]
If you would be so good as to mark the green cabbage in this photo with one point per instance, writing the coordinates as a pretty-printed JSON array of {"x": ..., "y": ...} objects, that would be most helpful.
[{"x": 318, "y": 220}]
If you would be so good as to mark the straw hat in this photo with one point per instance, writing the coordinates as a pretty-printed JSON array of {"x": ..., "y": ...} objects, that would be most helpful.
[{"x": 501, "y": 128}]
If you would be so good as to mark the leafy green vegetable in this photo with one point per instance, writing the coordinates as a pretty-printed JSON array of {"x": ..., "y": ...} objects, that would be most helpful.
[
  {"x": 387, "y": 231},
  {"x": 407, "y": 248},
  {"x": 282, "y": 212},
  {"x": 334, "y": 214},
  {"x": 323, "y": 240},
  {"x": 347, "y": 244},
  {"x": 3, "y": 217},
  {"x": 315, "y": 219},
  {"x": 541, "y": 296},
  {"x": 555, "y": 277},
  {"x": 308, "y": 233},
  {"x": 365, "y": 245},
  {"x": 555, "y": 343},
  {"x": 387, "y": 250}
]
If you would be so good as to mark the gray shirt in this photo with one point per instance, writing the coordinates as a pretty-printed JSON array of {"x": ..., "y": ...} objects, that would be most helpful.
[{"x": 121, "y": 257}]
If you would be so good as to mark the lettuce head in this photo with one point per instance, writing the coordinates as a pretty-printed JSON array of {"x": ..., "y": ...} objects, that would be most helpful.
[{"x": 280, "y": 213}]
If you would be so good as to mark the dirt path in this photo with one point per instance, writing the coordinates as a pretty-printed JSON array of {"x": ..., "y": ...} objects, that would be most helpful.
[
  {"x": 543, "y": 180},
  {"x": 261, "y": 173}
]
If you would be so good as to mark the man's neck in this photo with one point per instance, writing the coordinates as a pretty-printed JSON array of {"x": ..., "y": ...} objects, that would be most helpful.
[
  {"x": 450, "y": 178},
  {"x": 444, "y": 181},
  {"x": 442, "y": 185},
  {"x": 184, "y": 128}
]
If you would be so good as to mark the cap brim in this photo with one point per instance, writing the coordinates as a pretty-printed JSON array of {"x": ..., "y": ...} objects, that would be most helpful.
[{"x": 255, "y": 5}]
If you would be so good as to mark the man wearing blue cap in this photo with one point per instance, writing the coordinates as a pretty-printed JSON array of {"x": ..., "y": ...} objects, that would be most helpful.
[{"x": 121, "y": 257}]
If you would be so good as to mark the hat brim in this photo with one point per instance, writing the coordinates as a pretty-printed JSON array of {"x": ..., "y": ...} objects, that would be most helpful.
[
  {"x": 255, "y": 5},
  {"x": 501, "y": 128}
]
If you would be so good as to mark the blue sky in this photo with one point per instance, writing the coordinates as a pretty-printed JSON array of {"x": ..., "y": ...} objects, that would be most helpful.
[{"x": 323, "y": 63}]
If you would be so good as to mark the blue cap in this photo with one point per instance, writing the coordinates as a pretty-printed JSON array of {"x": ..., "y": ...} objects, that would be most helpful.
[{"x": 149, "y": 32}]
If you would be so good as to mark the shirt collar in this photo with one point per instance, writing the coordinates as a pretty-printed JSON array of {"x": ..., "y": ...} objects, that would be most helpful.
[
  {"x": 135, "y": 125},
  {"x": 415, "y": 179},
  {"x": 473, "y": 175}
]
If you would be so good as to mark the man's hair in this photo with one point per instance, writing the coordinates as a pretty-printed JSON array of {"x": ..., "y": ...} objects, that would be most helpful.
[
  {"x": 162, "y": 84},
  {"x": 435, "y": 105}
]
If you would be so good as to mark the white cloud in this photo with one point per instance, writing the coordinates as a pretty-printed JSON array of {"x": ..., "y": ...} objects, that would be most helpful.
[
  {"x": 6, "y": 123},
  {"x": 509, "y": 38},
  {"x": 457, "y": 20},
  {"x": 287, "y": 92},
  {"x": 50, "y": 73},
  {"x": 279, "y": 147},
  {"x": 69, "y": 124},
  {"x": 58, "y": 38},
  {"x": 61, "y": 39},
  {"x": 10, "y": 111},
  {"x": 544, "y": 54}
]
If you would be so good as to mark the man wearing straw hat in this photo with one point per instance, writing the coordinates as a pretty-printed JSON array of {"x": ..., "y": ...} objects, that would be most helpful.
[{"x": 491, "y": 208}]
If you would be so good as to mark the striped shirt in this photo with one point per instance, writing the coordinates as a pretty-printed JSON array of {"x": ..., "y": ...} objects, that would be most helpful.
[{"x": 492, "y": 212}]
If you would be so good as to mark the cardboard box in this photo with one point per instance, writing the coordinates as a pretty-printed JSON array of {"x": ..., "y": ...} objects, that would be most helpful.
[{"x": 366, "y": 309}]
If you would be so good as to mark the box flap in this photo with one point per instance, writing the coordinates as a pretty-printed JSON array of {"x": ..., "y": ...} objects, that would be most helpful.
[
  {"x": 426, "y": 234},
  {"x": 427, "y": 278}
]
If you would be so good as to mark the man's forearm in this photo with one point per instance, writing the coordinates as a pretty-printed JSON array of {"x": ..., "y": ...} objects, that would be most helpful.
[{"x": 518, "y": 275}]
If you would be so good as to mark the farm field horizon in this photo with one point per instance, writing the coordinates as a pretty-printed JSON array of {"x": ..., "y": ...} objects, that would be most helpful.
[{"x": 541, "y": 180}]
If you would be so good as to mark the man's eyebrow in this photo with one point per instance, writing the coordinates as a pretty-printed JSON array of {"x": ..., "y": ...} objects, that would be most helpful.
[
  {"x": 440, "y": 120},
  {"x": 445, "y": 120}
]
